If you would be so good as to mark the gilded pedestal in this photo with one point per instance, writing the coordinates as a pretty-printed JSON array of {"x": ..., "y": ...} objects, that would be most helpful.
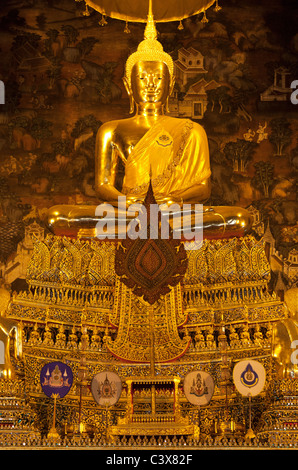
[{"x": 72, "y": 310}]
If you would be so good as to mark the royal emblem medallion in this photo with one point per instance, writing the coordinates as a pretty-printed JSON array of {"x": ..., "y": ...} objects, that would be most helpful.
[
  {"x": 198, "y": 387},
  {"x": 56, "y": 378},
  {"x": 249, "y": 377},
  {"x": 106, "y": 388}
]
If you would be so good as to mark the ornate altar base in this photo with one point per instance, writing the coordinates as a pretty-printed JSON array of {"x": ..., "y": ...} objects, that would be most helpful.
[{"x": 77, "y": 311}]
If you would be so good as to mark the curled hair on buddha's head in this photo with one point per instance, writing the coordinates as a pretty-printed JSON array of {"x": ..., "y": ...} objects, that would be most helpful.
[{"x": 149, "y": 50}]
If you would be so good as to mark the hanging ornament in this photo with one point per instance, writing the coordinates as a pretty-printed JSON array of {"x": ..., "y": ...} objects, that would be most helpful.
[
  {"x": 126, "y": 29},
  {"x": 217, "y": 7},
  {"x": 180, "y": 27},
  {"x": 204, "y": 19},
  {"x": 103, "y": 21},
  {"x": 86, "y": 12}
]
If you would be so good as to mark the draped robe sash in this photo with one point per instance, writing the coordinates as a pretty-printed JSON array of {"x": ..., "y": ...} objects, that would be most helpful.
[{"x": 174, "y": 152}]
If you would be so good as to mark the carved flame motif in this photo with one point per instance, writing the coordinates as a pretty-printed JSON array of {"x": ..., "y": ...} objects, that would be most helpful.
[{"x": 150, "y": 266}]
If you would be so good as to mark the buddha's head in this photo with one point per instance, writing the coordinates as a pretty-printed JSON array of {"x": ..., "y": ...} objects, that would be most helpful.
[{"x": 149, "y": 72}]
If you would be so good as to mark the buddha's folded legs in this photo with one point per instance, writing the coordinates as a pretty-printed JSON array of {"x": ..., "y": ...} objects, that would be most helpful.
[{"x": 81, "y": 221}]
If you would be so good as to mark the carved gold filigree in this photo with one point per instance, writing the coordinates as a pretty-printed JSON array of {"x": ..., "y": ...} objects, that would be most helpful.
[
  {"x": 63, "y": 260},
  {"x": 219, "y": 261},
  {"x": 72, "y": 285},
  {"x": 133, "y": 335}
]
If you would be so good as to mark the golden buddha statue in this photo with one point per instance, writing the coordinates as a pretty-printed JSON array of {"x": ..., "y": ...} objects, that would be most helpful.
[
  {"x": 7, "y": 326},
  {"x": 285, "y": 338},
  {"x": 171, "y": 152}
]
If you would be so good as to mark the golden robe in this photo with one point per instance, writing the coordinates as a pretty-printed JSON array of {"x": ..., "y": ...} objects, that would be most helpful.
[{"x": 175, "y": 152}]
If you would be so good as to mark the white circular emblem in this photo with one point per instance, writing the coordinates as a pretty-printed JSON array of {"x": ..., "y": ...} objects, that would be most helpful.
[
  {"x": 106, "y": 388},
  {"x": 249, "y": 377},
  {"x": 198, "y": 387}
]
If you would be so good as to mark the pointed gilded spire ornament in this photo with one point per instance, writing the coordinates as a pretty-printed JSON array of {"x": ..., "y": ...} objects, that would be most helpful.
[
  {"x": 150, "y": 49},
  {"x": 150, "y": 30}
]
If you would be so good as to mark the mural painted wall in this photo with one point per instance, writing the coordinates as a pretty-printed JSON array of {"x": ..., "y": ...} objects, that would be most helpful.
[{"x": 62, "y": 67}]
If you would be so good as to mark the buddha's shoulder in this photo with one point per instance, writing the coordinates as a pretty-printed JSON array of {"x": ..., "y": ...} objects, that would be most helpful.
[
  {"x": 117, "y": 127},
  {"x": 192, "y": 126},
  {"x": 108, "y": 126}
]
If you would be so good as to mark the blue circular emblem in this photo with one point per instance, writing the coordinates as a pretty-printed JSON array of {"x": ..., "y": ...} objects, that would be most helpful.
[
  {"x": 249, "y": 377},
  {"x": 57, "y": 378}
]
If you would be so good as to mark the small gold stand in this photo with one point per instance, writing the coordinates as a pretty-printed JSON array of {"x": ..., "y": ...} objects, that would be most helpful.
[
  {"x": 250, "y": 434},
  {"x": 53, "y": 434},
  {"x": 80, "y": 428}
]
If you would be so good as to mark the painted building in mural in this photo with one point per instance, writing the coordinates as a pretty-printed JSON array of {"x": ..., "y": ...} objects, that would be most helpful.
[
  {"x": 280, "y": 90},
  {"x": 189, "y": 64}
]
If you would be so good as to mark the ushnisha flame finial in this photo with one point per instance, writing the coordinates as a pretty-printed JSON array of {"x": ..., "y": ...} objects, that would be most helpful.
[
  {"x": 150, "y": 49},
  {"x": 150, "y": 30}
]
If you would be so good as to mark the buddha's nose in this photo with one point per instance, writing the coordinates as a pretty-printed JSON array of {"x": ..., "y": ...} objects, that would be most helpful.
[{"x": 151, "y": 83}]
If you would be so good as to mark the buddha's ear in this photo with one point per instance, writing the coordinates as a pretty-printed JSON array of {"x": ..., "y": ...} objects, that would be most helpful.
[
  {"x": 171, "y": 88},
  {"x": 129, "y": 92},
  {"x": 127, "y": 87}
]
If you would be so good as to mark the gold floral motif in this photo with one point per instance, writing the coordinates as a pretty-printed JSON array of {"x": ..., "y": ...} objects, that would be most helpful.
[
  {"x": 219, "y": 261},
  {"x": 61, "y": 260}
]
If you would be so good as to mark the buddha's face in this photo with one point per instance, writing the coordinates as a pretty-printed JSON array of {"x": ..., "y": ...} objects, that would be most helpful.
[{"x": 150, "y": 82}]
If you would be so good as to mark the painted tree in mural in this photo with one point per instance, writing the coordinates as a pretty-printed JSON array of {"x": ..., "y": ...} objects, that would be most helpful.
[
  {"x": 27, "y": 133},
  {"x": 11, "y": 225},
  {"x": 263, "y": 178},
  {"x": 281, "y": 134},
  {"x": 25, "y": 37},
  {"x": 12, "y": 97},
  {"x": 239, "y": 153},
  {"x": 71, "y": 34},
  {"x": 106, "y": 88},
  {"x": 220, "y": 97},
  {"x": 86, "y": 45},
  {"x": 52, "y": 46},
  {"x": 54, "y": 74},
  {"x": 84, "y": 125},
  {"x": 12, "y": 19}
]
